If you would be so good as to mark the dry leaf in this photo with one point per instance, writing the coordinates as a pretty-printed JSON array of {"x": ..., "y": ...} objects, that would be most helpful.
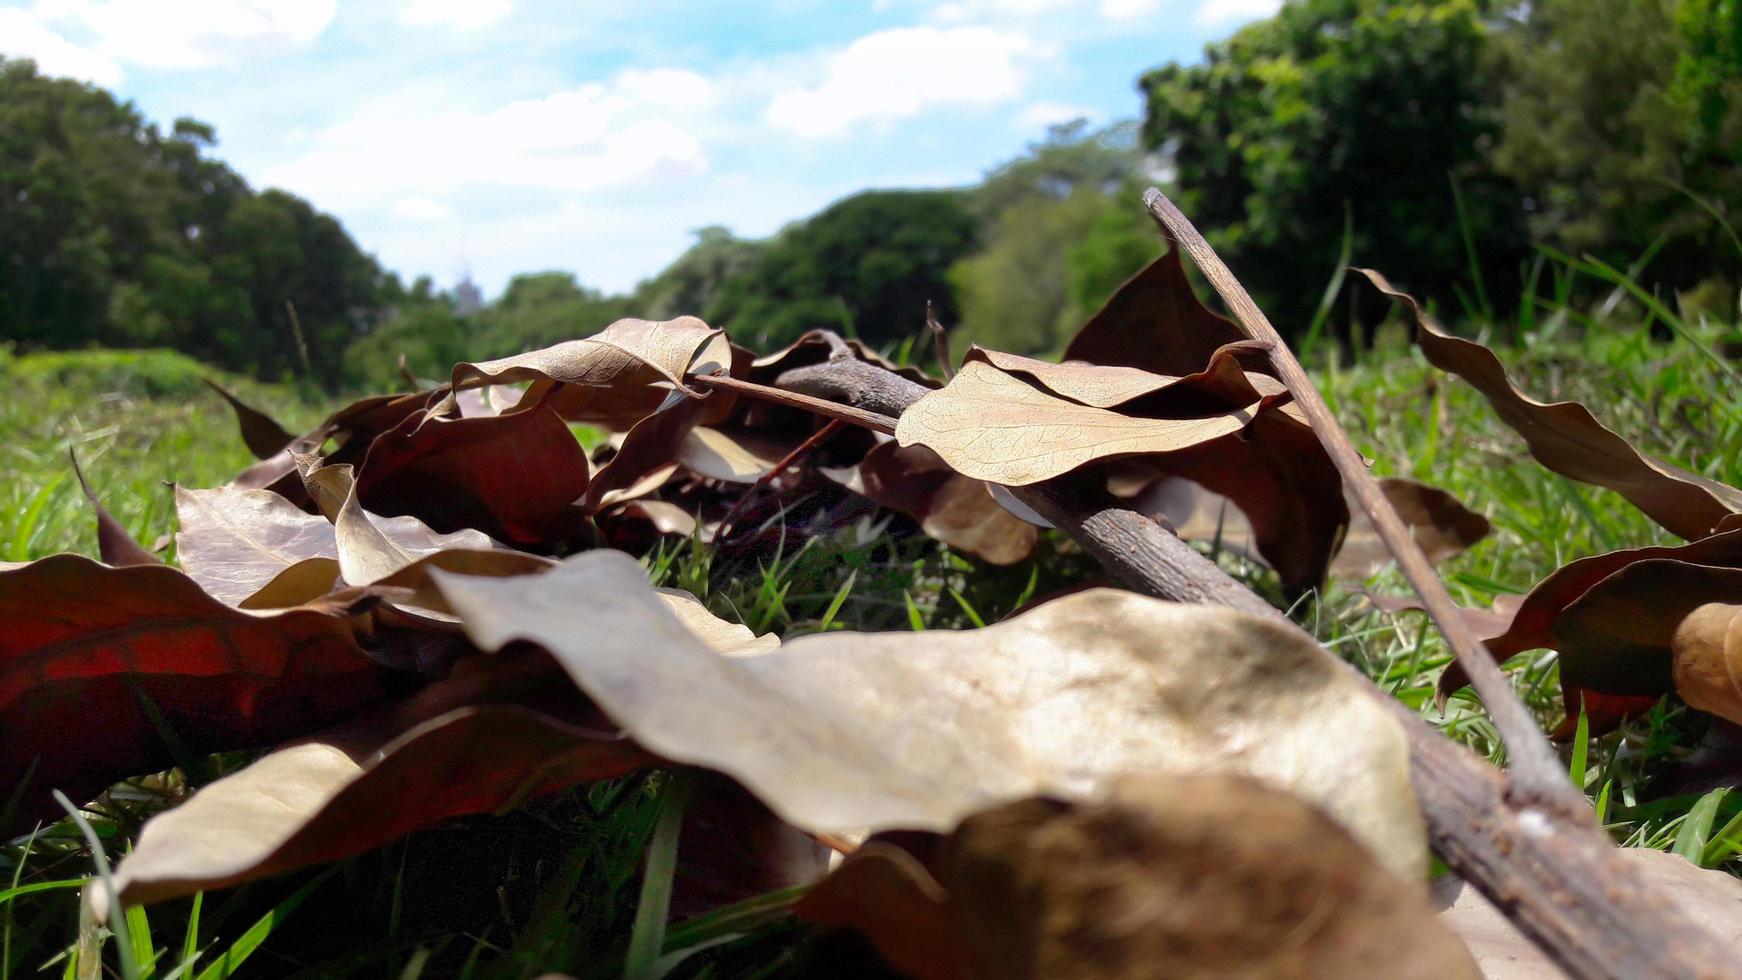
[
  {"x": 1440, "y": 524},
  {"x": 452, "y": 750},
  {"x": 951, "y": 508},
  {"x": 261, "y": 433},
  {"x": 615, "y": 377},
  {"x": 86, "y": 647},
  {"x": 1568, "y": 439},
  {"x": 1531, "y": 625},
  {"x": 843, "y": 731},
  {"x": 114, "y": 543},
  {"x": 1710, "y": 900},
  {"x": 1707, "y": 648},
  {"x": 735, "y": 456},
  {"x": 1276, "y": 471},
  {"x": 514, "y": 477},
  {"x": 992, "y": 426},
  {"x": 1175, "y": 876}
]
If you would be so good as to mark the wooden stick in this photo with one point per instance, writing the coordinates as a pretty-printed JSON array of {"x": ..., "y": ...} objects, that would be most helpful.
[
  {"x": 1536, "y": 773},
  {"x": 777, "y": 396}
]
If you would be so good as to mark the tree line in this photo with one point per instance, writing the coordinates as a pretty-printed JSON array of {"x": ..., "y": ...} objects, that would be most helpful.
[{"x": 1447, "y": 140}]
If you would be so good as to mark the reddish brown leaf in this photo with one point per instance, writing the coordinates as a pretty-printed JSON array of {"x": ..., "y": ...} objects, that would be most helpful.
[
  {"x": 1532, "y": 624},
  {"x": 887, "y": 894},
  {"x": 1441, "y": 525},
  {"x": 260, "y": 432},
  {"x": 452, "y": 750},
  {"x": 114, "y": 543},
  {"x": 514, "y": 477},
  {"x": 1568, "y": 439},
  {"x": 1156, "y": 322},
  {"x": 86, "y": 647}
]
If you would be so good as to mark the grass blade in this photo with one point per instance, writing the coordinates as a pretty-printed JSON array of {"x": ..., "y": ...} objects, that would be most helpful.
[{"x": 647, "y": 936}]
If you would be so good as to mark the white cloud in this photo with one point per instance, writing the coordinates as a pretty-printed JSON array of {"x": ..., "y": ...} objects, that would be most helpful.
[
  {"x": 421, "y": 209},
  {"x": 1225, "y": 11},
  {"x": 635, "y": 127},
  {"x": 901, "y": 72},
  {"x": 465, "y": 15},
  {"x": 1043, "y": 114},
  {"x": 1131, "y": 9},
  {"x": 188, "y": 33},
  {"x": 23, "y": 36}
]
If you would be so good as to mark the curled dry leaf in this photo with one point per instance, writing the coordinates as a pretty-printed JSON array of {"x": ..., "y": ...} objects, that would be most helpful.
[
  {"x": 1181, "y": 876},
  {"x": 514, "y": 477},
  {"x": 1707, "y": 648},
  {"x": 959, "y": 511},
  {"x": 613, "y": 378},
  {"x": 845, "y": 731},
  {"x": 732, "y": 456},
  {"x": 1568, "y": 439},
  {"x": 1276, "y": 471},
  {"x": 461, "y": 746},
  {"x": 90, "y": 653},
  {"x": 1711, "y": 900},
  {"x": 991, "y": 425},
  {"x": 1530, "y": 622}
]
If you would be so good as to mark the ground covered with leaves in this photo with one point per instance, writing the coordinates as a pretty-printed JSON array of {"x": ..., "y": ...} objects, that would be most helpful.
[{"x": 580, "y": 662}]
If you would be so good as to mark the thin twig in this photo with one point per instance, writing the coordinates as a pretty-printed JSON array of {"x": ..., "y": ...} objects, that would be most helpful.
[
  {"x": 827, "y": 409},
  {"x": 1536, "y": 773},
  {"x": 940, "y": 341},
  {"x": 811, "y": 442}
]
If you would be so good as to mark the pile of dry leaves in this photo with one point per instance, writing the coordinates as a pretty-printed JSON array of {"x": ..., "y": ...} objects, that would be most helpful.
[{"x": 427, "y": 607}]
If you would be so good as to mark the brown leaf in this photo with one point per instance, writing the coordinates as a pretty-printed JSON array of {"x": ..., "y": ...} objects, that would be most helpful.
[
  {"x": 260, "y": 432},
  {"x": 1711, "y": 900},
  {"x": 733, "y": 456},
  {"x": 1707, "y": 648},
  {"x": 1568, "y": 439},
  {"x": 514, "y": 477},
  {"x": 234, "y": 542},
  {"x": 1615, "y": 639},
  {"x": 951, "y": 508},
  {"x": 991, "y": 425},
  {"x": 1156, "y": 322},
  {"x": 615, "y": 377},
  {"x": 1532, "y": 624},
  {"x": 1441, "y": 525},
  {"x": 843, "y": 731},
  {"x": 732, "y": 848},
  {"x": 86, "y": 647},
  {"x": 114, "y": 543},
  {"x": 1276, "y": 471},
  {"x": 1175, "y": 876},
  {"x": 449, "y": 751}
]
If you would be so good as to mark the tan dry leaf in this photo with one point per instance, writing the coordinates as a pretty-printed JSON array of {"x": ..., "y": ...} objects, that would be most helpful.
[
  {"x": 621, "y": 374},
  {"x": 993, "y": 426},
  {"x": 951, "y": 508},
  {"x": 1108, "y": 385},
  {"x": 1710, "y": 900},
  {"x": 1171, "y": 876},
  {"x": 846, "y": 731},
  {"x": 361, "y": 786},
  {"x": 737, "y": 456},
  {"x": 1708, "y": 660},
  {"x": 1568, "y": 439}
]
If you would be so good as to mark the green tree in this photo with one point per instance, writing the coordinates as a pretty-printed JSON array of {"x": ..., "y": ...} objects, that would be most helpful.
[
  {"x": 867, "y": 264},
  {"x": 116, "y": 233},
  {"x": 1365, "y": 108},
  {"x": 690, "y": 283},
  {"x": 1617, "y": 115}
]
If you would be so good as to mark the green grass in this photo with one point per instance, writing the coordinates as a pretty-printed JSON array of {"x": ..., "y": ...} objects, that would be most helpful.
[{"x": 560, "y": 885}]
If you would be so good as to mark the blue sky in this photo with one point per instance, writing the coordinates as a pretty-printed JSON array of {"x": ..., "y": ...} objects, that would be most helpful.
[{"x": 518, "y": 135}]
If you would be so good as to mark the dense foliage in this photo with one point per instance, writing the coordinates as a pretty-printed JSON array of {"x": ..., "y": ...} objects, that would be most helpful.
[
  {"x": 1447, "y": 135},
  {"x": 114, "y": 232}
]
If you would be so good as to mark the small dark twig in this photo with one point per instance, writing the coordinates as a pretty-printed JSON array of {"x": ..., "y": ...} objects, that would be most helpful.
[
  {"x": 940, "y": 342},
  {"x": 811, "y": 442}
]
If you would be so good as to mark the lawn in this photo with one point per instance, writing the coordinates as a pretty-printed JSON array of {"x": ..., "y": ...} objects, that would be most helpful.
[{"x": 555, "y": 885}]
